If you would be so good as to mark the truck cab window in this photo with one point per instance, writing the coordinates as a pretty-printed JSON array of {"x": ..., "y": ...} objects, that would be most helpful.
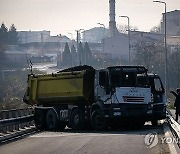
[
  {"x": 128, "y": 79},
  {"x": 157, "y": 84}
]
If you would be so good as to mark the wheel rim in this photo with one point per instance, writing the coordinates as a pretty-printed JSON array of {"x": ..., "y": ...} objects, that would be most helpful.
[
  {"x": 51, "y": 120},
  {"x": 76, "y": 120},
  {"x": 99, "y": 120}
]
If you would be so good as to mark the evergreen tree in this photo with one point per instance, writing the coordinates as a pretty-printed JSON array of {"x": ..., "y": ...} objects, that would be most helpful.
[
  {"x": 88, "y": 53},
  {"x": 12, "y": 35},
  {"x": 66, "y": 55},
  {"x": 74, "y": 55},
  {"x": 3, "y": 43},
  {"x": 3, "y": 34}
]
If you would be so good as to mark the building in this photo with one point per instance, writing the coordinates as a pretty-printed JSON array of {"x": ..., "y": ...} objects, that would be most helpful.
[
  {"x": 172, "y": 23},
  {"x": 40, "y": 36},
  {"x": 95, "y": 35},
  {"x": 117, "y": 44},
  {"x": 32, "y": 36}
]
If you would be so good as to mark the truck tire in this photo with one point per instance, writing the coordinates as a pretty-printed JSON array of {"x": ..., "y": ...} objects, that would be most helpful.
[
  {"x": 39, "y": 119},
  {"x": 52, "y": 121},
  {"x": 77, "y": 119},
  {"x": 98, "y": 120}
]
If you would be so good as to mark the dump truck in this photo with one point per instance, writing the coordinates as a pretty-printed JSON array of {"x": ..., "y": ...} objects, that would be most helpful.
[{"x": 83, "y": 97}]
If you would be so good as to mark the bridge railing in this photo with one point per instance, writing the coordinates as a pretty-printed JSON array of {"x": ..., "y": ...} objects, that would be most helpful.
[
  {"x": 175, "y": 126},
  {"x": 11, "y": 120}
]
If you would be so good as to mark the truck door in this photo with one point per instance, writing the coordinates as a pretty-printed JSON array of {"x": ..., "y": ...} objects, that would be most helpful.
[
  {"x": 103, "y": 88},
  {"x": 157, "y": 89}
]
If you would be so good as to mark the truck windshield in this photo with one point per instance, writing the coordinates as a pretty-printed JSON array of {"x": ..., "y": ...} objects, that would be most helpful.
[{"x": 128, "y": 79}]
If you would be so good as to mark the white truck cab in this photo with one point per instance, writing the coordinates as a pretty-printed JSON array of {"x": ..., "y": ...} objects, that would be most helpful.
[{"x": 123, "y": 93}]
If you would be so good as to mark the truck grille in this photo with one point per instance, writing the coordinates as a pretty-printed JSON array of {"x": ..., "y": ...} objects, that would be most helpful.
[{"x": 133, "y": 99}]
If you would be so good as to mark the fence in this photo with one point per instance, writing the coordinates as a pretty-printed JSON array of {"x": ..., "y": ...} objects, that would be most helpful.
[{"x": 11, "y": 120}]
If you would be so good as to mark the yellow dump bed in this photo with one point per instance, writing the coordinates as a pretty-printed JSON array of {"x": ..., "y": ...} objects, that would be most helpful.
[{"x": 60, "y": 88}]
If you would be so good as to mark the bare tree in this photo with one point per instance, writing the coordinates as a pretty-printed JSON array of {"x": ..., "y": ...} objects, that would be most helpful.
[{"x": 174, "y": 68}]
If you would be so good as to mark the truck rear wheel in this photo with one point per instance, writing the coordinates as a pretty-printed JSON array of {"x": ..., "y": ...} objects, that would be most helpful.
[
  {"x": 98, "y": 120},
  {"x": 52, "y": 120},
  {"x": 39, "y": 119},
  {"x": 77, "y": 119}
]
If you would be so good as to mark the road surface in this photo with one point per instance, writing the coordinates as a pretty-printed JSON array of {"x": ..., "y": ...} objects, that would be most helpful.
[{"x": 69, "y": 141}]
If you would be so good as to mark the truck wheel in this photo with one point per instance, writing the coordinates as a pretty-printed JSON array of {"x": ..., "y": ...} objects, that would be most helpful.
[
  {"x": 52, "y": 120},
  {"x": 77, "y": 119},
  {"x": 39, "y": 119},
  {"x": 154, "y": 122},
  {"x": 98, "y": 120}
]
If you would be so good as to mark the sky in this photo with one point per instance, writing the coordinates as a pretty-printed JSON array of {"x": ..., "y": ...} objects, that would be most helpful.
[{"x": 66, "y": 16}]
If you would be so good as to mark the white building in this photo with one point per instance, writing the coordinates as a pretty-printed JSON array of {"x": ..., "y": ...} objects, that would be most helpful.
[
  {"x": 32, "y": 36},
  {"x": 40, "y": 36},
  {"x": 172, "y": 23},
  {"x": 95, "y": 35}
]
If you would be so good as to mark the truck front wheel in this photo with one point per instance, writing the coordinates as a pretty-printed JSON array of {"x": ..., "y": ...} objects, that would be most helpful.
[
  {"x": 77, "y": 119},
  {"x": 52, "y": 120},
  {"x": 98, "y": 120}
]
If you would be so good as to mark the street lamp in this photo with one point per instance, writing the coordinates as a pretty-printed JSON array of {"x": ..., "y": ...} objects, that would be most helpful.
[
  {"x": 128, "y": 39},
  {"x": 103, "y": 40},
  {"x": 165, "y": 44},
  {"x": 78, "y": 31}
]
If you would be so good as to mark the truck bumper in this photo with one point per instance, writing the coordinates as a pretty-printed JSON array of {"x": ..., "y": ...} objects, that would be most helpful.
[{"x": 128, "y": 111}]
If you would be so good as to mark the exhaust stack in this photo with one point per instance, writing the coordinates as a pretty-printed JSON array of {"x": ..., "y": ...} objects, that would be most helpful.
[{"x": 112, "y": 22}]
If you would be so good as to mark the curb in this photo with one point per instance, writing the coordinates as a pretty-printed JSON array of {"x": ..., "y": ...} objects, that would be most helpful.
[{"x": 173, "y": 147}]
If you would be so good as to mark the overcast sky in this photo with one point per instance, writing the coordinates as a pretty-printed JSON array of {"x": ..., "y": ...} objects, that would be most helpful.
[{"x": 66, "y": 16}]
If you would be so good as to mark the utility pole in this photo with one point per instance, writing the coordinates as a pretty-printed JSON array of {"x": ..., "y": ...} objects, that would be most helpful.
[
  {"x": 165, "y": 45},
  {"x": 72, "y": 56},
  {"x": 77, "y": 45},
  {"x": 103, "y": 41},
  {"x": 78, "y": 56}
]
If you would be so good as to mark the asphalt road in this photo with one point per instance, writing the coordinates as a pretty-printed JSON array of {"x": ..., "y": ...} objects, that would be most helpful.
[{"x": 69, "y": 141}]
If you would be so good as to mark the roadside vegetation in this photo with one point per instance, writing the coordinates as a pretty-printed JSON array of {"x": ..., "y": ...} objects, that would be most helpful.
[{"x": 12, "y": 88}]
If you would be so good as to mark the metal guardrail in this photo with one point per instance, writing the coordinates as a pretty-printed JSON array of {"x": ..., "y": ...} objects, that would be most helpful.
[
  {"x": 11, "y": 120},
  {"x": 175, "y": 127}
]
